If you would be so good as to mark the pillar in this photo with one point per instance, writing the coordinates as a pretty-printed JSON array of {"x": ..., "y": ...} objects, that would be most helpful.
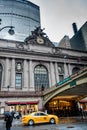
[
  {"x": 31, "y": 77},
  {"x": 6, "y": 72},
  {"x": 25, "y": 74},
  {"x": 13, "y": 74},
  {"x": 52, "y": 73}
]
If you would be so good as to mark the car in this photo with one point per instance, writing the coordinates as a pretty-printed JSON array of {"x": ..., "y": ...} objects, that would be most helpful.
[
  {"x": 15, "y": 115},
  {"x": 39, "y": 117}
]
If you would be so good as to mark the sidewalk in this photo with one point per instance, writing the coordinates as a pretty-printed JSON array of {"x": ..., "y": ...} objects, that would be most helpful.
[
  {"x": 16, "y": 122},
  {"x": 63, "y": 120}
]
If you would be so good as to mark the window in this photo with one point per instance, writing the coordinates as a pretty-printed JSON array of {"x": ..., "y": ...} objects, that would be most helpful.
[
  {"x": 18, "y": 66},
  {"x": 75, "y": 70},
  {"x": 19, "y": 73},
  {"x": 18, "y": 83},
  {"x": 42, "y": 114},
  {"x": 61, "y": 71},
  {"x": 39, "y": 114},
  {"x": 40, "y": 77}
]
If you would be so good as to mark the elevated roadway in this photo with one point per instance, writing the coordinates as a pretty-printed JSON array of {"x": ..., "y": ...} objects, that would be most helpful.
[{"x": 74, "y": 86}]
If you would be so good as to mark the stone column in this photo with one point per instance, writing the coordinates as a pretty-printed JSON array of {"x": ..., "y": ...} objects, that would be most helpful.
[
  {"x": 25, "y": 74},
  {"x": 31, "y": 77},
  {"x": 52, "y": 72},
  {"x": 13, "y": 74},
  {"x": 69, "y": 69},
  {"x": 65, "y": 70},
  {"x": 56, "y": 73},
  {"x": 49, "y": 76},
  {"x": 7, "y": 72}
]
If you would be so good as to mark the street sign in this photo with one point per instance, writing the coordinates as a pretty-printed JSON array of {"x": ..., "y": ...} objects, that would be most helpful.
[
  {"x": 63, "y": 81},
  {"x": 73, "y": 83}
]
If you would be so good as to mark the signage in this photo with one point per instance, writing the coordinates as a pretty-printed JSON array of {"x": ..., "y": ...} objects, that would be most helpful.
[
  {"x": 73, "y": 83},
  {"x": 63, "y": 81}
]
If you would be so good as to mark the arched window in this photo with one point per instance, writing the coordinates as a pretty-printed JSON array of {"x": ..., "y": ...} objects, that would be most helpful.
[
  {"x": 75, "y": 70},
  {"x": 0, "y": 75},
  {"x": 41, "y": 80}
]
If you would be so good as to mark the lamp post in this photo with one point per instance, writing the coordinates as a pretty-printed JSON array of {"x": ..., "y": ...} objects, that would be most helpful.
[
  {"x": 8, "y": 87},
  {"x": 42, "y": 88},
  {"x": 10, "y": 31}
]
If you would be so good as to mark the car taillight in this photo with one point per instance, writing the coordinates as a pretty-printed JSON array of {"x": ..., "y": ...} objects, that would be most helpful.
[{"x": 23, "y": 118}]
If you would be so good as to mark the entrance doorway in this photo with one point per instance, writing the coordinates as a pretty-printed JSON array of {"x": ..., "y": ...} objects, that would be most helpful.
[{"x": 62, "y": 107}]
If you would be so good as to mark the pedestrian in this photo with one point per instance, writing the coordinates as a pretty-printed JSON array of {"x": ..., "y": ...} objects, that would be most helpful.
[{"x": 8, "y": 120}]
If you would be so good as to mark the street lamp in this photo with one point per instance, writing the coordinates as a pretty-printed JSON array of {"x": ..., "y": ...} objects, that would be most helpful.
[
  {"x": 42, "y": 88},
  {"x": 10, "y": 31},
  {"x": 8, "y": 87}
]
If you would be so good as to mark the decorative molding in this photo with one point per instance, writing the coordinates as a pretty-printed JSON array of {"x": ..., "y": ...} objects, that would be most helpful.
[
  {"x": 38, "y": 37},
  {"x": 20, "y": 45}
]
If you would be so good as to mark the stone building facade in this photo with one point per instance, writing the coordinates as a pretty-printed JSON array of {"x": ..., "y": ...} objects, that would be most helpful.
[{"x": 30, "y": 66}]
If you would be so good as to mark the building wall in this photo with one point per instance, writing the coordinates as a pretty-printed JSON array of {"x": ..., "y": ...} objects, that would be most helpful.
[
  {"x": 59, "y": 63},
  {"x": 10, "y": 56},
  {"x": 84, "y": 33},
  {"x": 64, "y": 42},
  {"x": 21, "y": 14},
  {"x": 79, "y": 40}
]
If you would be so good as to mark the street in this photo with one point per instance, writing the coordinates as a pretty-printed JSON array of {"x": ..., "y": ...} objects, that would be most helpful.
[{"x": 64, "y": 124}]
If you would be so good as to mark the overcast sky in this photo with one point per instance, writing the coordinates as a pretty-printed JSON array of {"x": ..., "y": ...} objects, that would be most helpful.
[{"x": 57, "y": 16}]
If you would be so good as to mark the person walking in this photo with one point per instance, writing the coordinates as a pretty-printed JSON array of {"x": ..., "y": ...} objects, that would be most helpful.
[{"x": 8, "y": 120}]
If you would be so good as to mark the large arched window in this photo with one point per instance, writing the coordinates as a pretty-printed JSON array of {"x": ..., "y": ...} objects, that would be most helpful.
[
  {"x": 0, "y": 75},
  {"x": 41, "y": 78},
  {"x": 75, "y": 70}
]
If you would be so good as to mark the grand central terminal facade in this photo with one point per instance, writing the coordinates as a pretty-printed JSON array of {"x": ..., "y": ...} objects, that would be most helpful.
[{"x": 30, "y": 67}]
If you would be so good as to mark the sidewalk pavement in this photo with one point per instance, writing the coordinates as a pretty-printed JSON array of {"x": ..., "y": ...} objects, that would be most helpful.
[
  {"x": 63, "y": 120},
  {"x": 16, "y": 122}
]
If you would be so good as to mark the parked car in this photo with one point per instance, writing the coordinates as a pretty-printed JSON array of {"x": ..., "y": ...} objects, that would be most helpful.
[{"x": 39, "y": 117}]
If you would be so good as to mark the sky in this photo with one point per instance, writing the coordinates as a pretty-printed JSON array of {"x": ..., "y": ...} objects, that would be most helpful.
[{"x": 57, "y": 16}]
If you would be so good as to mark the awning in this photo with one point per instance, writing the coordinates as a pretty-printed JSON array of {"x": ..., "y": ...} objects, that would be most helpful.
[
  {"x": 83, "y": 101},
  {"x": 22, "y": 103}
]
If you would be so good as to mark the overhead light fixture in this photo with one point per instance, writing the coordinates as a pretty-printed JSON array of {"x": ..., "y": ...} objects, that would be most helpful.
[{"x": 11, "y": 31}]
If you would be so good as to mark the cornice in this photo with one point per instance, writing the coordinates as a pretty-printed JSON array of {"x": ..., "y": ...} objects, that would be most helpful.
[
  {"x": 8, "y": 94},
  {"x": 12, "y": 53}
]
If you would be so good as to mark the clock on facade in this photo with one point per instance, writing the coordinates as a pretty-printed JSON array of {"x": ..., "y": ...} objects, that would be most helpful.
[{"x": 40, "y": 40}]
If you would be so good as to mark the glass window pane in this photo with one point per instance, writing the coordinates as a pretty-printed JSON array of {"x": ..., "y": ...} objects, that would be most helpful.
[
  {"x": 18, "y": 81},
  {"x": 41, "y": 77}
]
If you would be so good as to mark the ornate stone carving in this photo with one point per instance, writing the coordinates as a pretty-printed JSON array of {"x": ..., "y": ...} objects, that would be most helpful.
[
  {"x": 38, "y": 37},
  {"x": 20, "y": 45}
]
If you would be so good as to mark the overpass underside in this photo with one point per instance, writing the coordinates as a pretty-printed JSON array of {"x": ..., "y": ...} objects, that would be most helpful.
[
  {"x": 65, "y": 103},
  {"x": 63, "y": 100}
]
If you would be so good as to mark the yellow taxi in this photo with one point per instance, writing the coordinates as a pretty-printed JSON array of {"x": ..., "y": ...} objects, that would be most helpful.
[{"x": 39, "y": 117}]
